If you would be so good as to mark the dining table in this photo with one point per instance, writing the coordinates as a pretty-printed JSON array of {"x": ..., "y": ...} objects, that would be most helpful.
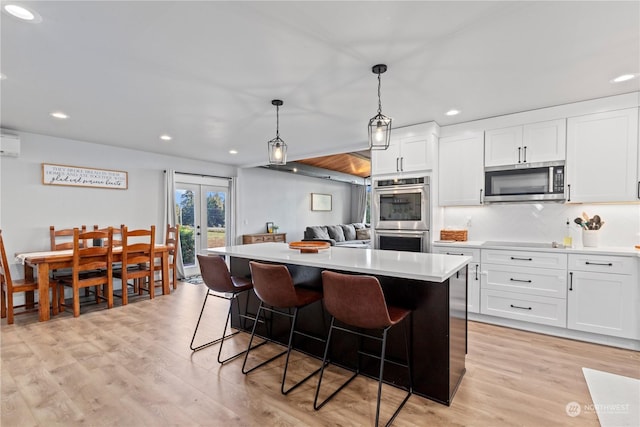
[{"x": 46, "y": 261}]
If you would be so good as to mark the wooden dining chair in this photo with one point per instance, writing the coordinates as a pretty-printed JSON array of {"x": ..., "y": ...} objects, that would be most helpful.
[
  {"x": 138, "y": 256},
  {"x": 10, "y": 287},
  {"x": 117, "y": 234},
  {"x": 62, "y": 239},
  {"x": 92, "y": 267},
  {"x": 171, "y": 240}
]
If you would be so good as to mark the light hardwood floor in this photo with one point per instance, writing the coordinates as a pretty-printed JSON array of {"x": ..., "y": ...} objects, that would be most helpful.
[{"x": 131, "y": 366}]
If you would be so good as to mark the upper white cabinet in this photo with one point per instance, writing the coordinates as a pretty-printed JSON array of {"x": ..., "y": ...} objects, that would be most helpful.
[
  {"x": 602, "y": 157},
  {"x": 410, "y": 150},
  {"x": 531, "y": 143},
  {"x": 461, "y": 170}
]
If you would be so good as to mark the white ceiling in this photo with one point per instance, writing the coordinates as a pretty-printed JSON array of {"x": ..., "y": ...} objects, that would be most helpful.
[{"x": 206, "y": 72}]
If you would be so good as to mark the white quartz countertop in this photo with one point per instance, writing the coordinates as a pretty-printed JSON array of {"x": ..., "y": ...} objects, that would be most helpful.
[
  {"x": 524, "y": 246},
  {"x": 408, "y": 265}
]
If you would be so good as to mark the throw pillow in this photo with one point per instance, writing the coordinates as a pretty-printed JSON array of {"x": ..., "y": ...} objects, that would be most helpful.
[
  {"x": 349, "y": 231},
  {"x": 318, "y": 232},
  {"x": 358, "y": 225},
  {"x": 336, "y": 233},
  {"x": 364, "y": 234}
]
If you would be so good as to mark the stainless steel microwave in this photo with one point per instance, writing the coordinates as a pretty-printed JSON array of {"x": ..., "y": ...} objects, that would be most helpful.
[{"x": 525, "y": 182}]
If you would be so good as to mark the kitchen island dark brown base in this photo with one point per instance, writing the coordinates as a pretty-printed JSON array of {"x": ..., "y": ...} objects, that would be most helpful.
[{"x": 438, "y": 330}]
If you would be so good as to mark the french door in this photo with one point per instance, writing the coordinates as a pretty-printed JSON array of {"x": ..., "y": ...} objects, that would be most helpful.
[{"x": 203, "y": 212}]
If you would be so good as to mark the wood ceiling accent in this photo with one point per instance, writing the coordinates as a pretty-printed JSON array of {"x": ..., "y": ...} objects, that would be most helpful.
[{"x": 351, "y": 163}]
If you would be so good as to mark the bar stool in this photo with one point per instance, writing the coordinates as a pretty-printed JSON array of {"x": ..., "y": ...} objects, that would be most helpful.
[
  {"x": 357, "y": 301},
  {"x": 274, "y": 287},
  {"x": 216, "y": 276}
]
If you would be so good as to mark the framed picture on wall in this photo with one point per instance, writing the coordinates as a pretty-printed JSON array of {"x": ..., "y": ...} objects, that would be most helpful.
[
  {"x": 320, "y": 202},
  {"x": 269, "y": 227}
]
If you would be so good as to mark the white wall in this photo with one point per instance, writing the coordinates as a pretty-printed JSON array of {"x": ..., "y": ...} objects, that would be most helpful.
[
  {"x": 28, "y": 208},
  {"x": 545, "y": 222},
  {"x": 285, "y": 199}
]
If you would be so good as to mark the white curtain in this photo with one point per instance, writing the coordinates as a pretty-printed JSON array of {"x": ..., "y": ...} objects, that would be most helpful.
[
  {"x": 360, "y": 197},
  {"x": 170, "y": 214}
]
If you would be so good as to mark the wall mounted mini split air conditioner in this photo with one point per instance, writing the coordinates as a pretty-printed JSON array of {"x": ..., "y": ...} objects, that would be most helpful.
[{"x": 9, "y": 145}]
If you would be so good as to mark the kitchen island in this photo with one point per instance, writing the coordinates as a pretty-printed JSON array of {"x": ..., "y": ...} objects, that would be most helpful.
[{"x": 434, "y": 286}]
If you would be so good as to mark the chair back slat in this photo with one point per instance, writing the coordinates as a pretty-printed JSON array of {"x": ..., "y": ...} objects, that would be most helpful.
[
  {"x": 5, "y": 273},
  {"x": 135, "y": 251},
  {"x": 86, "y": 258},
  {"x": 63, "y": 239},
  {"x": 116, "y": 240}
]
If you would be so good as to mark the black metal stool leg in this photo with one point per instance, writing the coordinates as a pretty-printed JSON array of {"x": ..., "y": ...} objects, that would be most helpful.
[
  {"x": 249, "y": 348},
  {"x": 221, "y": 339}
]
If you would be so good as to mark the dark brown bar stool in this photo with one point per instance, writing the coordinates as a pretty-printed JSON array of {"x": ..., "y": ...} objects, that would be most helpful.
[
  {"x": 216, "y": 276},
  {"x": 274, "y": 287},
  {"x": 357, "y": 301}
]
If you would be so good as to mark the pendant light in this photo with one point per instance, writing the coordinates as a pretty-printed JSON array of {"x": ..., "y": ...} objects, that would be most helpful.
[
  {"x": 277, "y": 147},
  {"x": 379, "y": 125}
]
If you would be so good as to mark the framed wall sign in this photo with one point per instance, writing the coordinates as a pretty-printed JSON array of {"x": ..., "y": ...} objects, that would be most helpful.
[
  {"x": 84, "y": 177},
  {"x": 320, "y": 202}
]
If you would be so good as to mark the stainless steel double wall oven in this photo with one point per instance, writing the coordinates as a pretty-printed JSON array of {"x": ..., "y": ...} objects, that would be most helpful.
[{"x": 402, "y": 214}]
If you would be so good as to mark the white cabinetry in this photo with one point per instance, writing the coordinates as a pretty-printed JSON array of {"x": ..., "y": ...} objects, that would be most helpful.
[
  {"x": 473, "y": 273},
  {"x": 603, "y": 295},
  {"x": 531, "y": 143},
  {"x": 410, "y": 150},
  {"x": 602, "y": 157},
  {"x": 522, "y": 285},
  {"x": 460, "y": 170}
]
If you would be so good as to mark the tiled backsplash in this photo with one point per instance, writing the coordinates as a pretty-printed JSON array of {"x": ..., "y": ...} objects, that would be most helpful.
[{"x": 544, "y": 222}]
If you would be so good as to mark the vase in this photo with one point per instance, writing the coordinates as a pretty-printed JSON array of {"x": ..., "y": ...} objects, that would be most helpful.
[{"x": 590, "y": 238}]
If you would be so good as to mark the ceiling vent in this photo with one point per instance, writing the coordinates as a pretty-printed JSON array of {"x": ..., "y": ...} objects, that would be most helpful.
[{"x": 9, "y": 145}]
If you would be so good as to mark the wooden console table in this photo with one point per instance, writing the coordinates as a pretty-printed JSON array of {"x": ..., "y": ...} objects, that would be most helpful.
[{"x": 264, "y": 237}]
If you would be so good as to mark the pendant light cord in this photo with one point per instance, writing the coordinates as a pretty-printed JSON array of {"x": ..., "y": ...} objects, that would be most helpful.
[
  {"x": 277, "y": 122},
  {"x": 379, "y": 101}
]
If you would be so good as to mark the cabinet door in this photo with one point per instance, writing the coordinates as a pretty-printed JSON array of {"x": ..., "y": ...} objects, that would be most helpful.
[
  {"x": 544, "y": 141},
  {"x": 460, "y": 170},
  {"x": 415, "y": 154},
  {"x": 386, "y": 161},
  {"x": 603, "y": 303},
  {"x": 503, "y": 146},
  {"x": 602, "y": 157}
]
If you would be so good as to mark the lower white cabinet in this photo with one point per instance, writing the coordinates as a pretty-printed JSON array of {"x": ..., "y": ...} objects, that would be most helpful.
[
  {"x": 473, "y": 273},
  {"x": 603, "y": 296},
  {"x": 524, "y": 285},
  {"x": 528, "y": 308}
]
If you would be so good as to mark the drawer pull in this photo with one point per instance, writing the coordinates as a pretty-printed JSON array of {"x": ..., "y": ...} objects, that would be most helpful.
[
  {"x": 607, "y": 264},
  {"x": 522, "y": 308},
  {"x": 449, "y": 253},
  {"x": 521, "y": 259},
  {"x": 520, "y": 280}
]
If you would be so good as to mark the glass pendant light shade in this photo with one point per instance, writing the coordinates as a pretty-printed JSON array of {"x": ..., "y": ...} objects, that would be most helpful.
[
  {"x": 379, "y": 125},
  {"x": 277, "y": 147}
]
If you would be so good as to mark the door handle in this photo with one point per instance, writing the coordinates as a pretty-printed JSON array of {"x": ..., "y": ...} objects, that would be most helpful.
[
  {"x": 397, "y": 164},
  {"x": 569, "y": 192},
  {"x": 525, "y": 154},
  {"x": 481, "y": 196},
  {"x": 519, "y": 152}
]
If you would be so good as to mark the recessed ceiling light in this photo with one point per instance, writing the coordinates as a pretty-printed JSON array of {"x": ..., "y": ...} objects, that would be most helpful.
[
  {"x": 59, "y": 115},
  {"x": 452, "y": 112},
  {"x": 233, "y": 151},
  {"x": 22, "y": 12},
  {"x": 166, "y": 137},
  {"x": 624, "y": 78}
]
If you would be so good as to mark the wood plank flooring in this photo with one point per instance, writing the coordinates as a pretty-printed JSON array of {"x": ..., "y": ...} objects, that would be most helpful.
[{"x": 131, "y": 366}]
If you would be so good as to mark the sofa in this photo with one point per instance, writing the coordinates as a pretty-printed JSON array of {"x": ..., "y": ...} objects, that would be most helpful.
[{"x": 351, "y": 235}]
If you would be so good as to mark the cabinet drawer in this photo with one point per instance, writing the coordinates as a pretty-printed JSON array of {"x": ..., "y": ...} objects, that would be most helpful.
[
  {"x": 528, "y": 308},
  {"x": 278, "y": 238},
  {"x": 257, "y": 239},
  {"x": 527, "y": 280},
  {"x": 524, "y": 258},
  {"x": 268, "y": 238},
  {"x": 452, "y": 250},
  {"x": 602, "y": 263}
]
